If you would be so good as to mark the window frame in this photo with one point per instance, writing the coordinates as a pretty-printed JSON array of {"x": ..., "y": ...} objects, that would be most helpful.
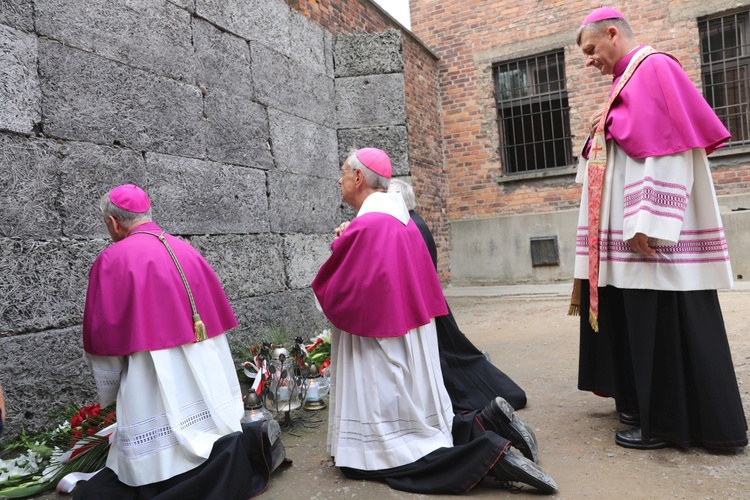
[
  {"x": 737, "y": 122},
  {"x": 533, "y": 103}
]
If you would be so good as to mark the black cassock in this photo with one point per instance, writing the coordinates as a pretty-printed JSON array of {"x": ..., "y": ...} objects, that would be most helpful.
[
  {"x": 471, "y": 379},
  {"x": 239, "y": 467},
  {"x": 665, "y": 356}
]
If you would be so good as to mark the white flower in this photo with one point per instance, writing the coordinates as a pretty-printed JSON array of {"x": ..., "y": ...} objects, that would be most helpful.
[
  {"x": 27, "y": 464},
  {"x": 325, "y": 335}
]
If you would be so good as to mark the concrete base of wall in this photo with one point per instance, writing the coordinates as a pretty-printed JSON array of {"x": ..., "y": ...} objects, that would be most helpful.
[{"x": 497, "y": 251}]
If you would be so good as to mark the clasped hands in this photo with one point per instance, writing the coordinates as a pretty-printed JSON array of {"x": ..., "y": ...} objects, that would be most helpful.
[
  {"x": 639, "y": 244},
  {"x": 594, "y": 123},
  {"x": 340, "y": 229}
]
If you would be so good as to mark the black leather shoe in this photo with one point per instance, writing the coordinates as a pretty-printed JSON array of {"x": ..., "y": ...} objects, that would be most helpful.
[
  {"x": 514, "y": 468},
  {"x": 632, "y": 438},
  {"x": 630, "y": 418},
  {"x": 498, "y": 417}
]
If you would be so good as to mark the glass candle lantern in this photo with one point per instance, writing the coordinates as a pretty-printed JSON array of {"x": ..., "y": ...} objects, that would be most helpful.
[
  {"x": 315, "y": 389},
  {"x": 254, "y": 409},
  {"x": 283, "y": 390}
]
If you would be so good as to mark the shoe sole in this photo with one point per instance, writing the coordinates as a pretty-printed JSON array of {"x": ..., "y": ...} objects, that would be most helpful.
[
  {"x": 521, "y": 434},
  {"x": 513, "y": 468}
]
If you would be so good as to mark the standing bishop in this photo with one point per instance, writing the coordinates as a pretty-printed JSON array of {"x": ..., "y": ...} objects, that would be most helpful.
[{"x": 651, "y": 251}]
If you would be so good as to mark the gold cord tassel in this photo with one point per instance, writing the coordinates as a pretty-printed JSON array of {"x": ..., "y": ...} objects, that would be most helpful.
[
  {"x": 594, "y": 321},
  {"x": 574, "y": 309},
  {"x": 199, "y": 328}
]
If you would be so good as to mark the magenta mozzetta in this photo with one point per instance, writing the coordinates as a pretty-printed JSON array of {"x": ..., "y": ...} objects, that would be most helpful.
[
  {"x": 128, "y": 310},
  {"x": 402, "y": 289},
  {"x": 660, "y": 112}
]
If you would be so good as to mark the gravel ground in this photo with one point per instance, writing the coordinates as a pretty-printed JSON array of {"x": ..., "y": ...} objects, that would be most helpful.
[{"x": 531, "y": 339}]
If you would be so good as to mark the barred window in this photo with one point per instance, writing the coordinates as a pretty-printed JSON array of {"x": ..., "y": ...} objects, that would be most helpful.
[
  {"x": 725, "y": 70},
  {"x": 533, "y": 116}
]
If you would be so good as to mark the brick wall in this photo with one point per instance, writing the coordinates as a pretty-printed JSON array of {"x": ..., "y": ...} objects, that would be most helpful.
[{"x": 470, "y": 36}]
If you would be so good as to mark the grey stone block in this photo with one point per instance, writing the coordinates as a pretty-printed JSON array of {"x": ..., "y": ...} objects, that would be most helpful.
[
  {"x": 304, "y": 254},
  {"x": 155, "y": 36},
  {"x": 87, "y": 172},
  {"x": 237, "y": 131},
  {"x": 28, "y": 186},
  {"x": 392, "y": 140},
  {"x": 201, "y": 197},
  {"x": 42, "y": 373},
  {"x": 17, "y": 14},
  {"x": 303, "y": 147},
  {"x": 44, "y": 282},
  {"x": 303, "y": 204},
  {"x": 328, "y": 46},
  {"x": 222, "y": 61},
  {"x": 266, "y": 21},
  {"x": 288, "y": 85},
  {"x": 89, "y": 98},
  {"x": 371, "y": 101},
  {"x": 20, "y": 96},
  {"x": 307, "y": 44},
  {"x": 188, "y": 5},
  {"x": 247, "y": 265},
  {"x": 362, "y": 54},
  {"x": 293, "y": 311}
]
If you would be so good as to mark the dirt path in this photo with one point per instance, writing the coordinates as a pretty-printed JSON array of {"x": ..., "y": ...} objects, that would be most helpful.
[
  {"x": 533, "y": 341},
  {"x": 537, "y": 345}
]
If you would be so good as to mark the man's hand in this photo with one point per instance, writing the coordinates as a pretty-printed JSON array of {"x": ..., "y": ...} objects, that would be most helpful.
[
  {"x": 639, "y": 244},
  {"x": 594, "y": 123},
  {"x": 340, "y": 229}
]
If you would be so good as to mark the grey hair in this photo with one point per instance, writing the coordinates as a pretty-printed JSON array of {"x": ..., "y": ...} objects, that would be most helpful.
[
  {"x": 600, "y": 27},
  {"x": 127, "y": 219},
  {"x": 407, "y": 192},
  {"x": 372, "y": 180}
]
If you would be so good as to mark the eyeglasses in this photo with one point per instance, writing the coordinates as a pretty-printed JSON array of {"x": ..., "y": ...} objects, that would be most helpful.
[{"x": 343, "y": 173}]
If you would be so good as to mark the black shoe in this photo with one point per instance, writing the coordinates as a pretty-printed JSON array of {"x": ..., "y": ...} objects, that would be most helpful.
[
  {"x": 513, "y": 468},
  {"x": 498, "y": 417},
  {"x": 271, "y": 439},
  {"x": 630, "y": 418},
  {"x": 632, "y": 438}
]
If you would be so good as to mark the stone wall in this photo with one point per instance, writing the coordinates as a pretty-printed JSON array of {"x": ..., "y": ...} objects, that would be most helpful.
[{"x": 233, "y": 115}]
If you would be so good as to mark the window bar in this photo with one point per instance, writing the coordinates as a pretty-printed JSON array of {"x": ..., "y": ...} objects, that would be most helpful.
[
  {"x": 522, "y": 142},
  {"x": 542, "y": 115},
  {"x": 724, "y": 55},
  {"x": 553, "y": 113}
]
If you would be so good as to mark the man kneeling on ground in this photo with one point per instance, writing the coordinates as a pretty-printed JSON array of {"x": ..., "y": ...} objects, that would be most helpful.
[{"x": 154, "y": 335}]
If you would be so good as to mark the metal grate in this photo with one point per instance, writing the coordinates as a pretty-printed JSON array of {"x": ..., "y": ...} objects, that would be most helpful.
[
  {"x": 544, "y": 251},
  {"x": 725, "y": 71},
  {"x": 533, "y": 116}
]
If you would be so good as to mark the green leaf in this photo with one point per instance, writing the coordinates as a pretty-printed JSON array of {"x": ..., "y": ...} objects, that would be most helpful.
[{"x": 26, "y": 490}]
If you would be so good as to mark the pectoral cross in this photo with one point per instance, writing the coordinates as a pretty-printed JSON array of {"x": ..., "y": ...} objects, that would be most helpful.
[{"x": 595, "y": 148}]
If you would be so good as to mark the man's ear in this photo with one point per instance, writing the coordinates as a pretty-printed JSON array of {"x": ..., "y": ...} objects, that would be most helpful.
[
  {"x": 118, "y": 228},
  {"x": 115, "y": 223},
  {"x": 359, "y": 178}
]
